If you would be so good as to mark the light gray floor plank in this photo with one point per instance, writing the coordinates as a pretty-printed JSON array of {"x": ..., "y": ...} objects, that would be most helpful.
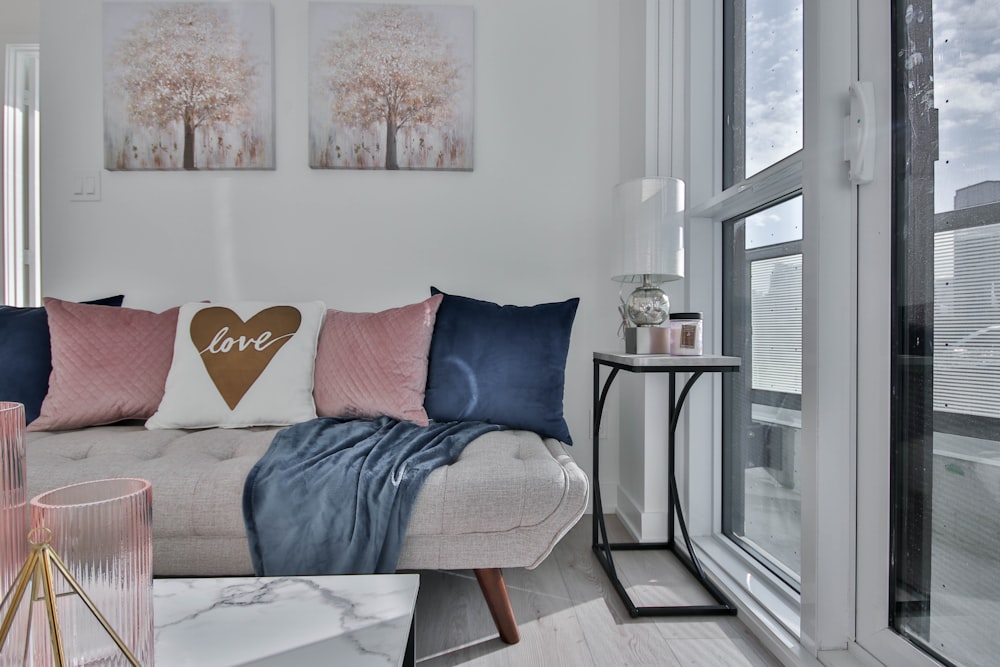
[
  {"x": 613, "y": 637},
  {"x": 569, "y": 614},
  {"x": 711, "y": 652},
  {"x": 467, "y": 636}
]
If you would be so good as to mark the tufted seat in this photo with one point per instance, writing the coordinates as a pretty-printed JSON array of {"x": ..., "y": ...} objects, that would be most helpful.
[{"x": 505, "y": 502}]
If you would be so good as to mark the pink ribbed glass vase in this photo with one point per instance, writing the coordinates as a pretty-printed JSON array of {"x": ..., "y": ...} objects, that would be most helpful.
[
  {"x": 13, "y": 517},
  {"x": 102, "y": 531}
]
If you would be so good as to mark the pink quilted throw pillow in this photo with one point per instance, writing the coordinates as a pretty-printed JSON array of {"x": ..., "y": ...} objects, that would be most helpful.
[
  {"x": 108, "y": 364},
  {"x": 375, "y": 364}
]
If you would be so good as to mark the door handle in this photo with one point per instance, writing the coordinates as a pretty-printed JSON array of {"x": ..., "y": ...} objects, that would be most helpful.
[{"x": 859, "y": 133}]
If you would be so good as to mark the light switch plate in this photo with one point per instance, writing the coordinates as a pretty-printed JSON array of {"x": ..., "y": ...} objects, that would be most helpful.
[{"x": 85, "y": 186}]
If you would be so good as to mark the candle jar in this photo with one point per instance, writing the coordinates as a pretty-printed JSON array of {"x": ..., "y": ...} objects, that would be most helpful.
[{"x": 686, "y": 334}]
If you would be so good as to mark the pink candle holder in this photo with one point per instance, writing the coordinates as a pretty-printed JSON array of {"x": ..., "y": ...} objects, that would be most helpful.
[
  {"x": 13, "y": 515},
  {"x": 102, "y": 531}
]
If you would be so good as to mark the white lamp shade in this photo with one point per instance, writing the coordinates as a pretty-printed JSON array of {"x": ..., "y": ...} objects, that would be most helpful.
[{"x": 649, "y": 228}]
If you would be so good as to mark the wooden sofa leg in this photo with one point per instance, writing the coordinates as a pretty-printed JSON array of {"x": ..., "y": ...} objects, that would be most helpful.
[{"x": 495, "y": 591}]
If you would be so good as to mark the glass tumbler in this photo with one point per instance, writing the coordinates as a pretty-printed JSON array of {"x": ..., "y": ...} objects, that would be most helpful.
[
  {"x": 13, "y": 518},
  {"x": 102, "y": 531}
]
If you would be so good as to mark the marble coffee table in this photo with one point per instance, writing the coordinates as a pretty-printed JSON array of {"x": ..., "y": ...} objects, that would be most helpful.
[{"x": 327, "y": 620}]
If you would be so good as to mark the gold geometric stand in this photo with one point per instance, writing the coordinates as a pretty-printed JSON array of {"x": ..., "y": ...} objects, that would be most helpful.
[{"x": 38, "y": 570}]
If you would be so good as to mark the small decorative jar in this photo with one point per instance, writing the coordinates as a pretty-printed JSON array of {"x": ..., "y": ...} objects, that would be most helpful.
[{"x": 686, "y": 334}]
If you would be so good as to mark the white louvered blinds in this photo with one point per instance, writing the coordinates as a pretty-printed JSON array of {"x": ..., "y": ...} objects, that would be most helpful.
[
  {"x": 776, "y": 315},
  {"x": 967, "y": 321}
]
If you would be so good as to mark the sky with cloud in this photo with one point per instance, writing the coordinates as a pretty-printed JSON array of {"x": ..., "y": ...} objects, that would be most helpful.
[
  {"x": 966, "y": 53},
  {"x": 773, "y": 81},
  {"x": 967, "y": 95},
  {"x": 773, "y": 108}
]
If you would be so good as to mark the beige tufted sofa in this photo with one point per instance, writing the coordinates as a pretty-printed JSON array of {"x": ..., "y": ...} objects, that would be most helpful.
[{"x": 504, "y": 503}]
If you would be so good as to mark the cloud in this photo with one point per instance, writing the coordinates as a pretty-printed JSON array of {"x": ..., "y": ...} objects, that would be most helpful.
[
  {"x": 966, "y": 53},
  {"x": 773, "y": 82},
  {"x": 967, "y": 94}
]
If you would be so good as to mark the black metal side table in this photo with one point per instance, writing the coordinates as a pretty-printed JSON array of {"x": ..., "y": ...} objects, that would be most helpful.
[{"x": 656, "y": 363}]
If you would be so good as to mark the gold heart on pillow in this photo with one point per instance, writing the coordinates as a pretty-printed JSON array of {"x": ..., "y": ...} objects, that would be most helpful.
[{"x": 235, "y": 352}]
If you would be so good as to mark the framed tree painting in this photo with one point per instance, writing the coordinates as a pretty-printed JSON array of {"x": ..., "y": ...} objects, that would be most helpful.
[
  {"x": 390, "y": 86},
  {"x": 188, "y": 85}
]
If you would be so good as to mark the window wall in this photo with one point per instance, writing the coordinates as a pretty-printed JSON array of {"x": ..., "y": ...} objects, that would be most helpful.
[
  {"x": 852, "y": 485},
  {"x": 762, "y": 279}
]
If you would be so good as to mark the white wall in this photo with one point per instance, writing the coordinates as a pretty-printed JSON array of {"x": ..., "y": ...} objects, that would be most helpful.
[
  {"x": 19, "y": 21},
  {"x": 530, "y": 224}
]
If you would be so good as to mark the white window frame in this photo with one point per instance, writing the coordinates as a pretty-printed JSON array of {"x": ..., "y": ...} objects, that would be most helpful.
[
  {"x": 21, "y": 198},
  {"x": 841, "y": 617}
]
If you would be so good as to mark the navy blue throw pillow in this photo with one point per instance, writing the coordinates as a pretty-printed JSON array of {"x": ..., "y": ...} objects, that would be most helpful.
[
  {"x": 26, "y": 355},
  {"x": 500, "y": 364}
]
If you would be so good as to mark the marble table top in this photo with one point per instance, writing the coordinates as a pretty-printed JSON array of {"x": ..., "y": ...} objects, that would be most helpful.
[
  {"x": 325, "y": 620},
  {"x": 705, "y": 362}
]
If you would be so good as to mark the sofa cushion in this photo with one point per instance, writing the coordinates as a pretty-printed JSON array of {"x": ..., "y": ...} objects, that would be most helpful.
[
  {"x": 108, "y": 364},
  {"x": 241, "y": 364},
  {"x": 26, "y": 355},
  {"x": 375, "y": 364},
  {"x": 501, "y": 364}
]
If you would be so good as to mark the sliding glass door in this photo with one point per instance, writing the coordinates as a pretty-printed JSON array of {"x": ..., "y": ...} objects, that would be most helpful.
[
  {"x": 942, "y": 584},
  {"x": 945, "y": 587}
]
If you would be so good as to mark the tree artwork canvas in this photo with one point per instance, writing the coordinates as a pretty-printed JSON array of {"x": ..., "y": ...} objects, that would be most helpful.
[
  {"x": 390, "y": 86},
  {"x": 188, "y": 85}
]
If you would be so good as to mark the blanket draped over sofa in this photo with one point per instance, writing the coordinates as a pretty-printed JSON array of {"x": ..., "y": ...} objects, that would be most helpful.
[{"x": 333, "y": 496}]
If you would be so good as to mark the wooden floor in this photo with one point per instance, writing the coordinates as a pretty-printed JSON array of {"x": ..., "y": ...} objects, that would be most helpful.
[{"x": 569, "y": 614}]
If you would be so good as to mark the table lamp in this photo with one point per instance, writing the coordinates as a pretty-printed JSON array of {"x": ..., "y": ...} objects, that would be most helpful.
[{"x": 649, "y": 231}]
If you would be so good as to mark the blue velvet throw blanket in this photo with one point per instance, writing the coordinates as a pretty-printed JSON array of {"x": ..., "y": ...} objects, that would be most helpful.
[{"x": 333, "y": 496}]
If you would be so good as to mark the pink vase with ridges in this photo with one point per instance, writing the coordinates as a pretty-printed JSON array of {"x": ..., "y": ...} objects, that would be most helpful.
[
  {"x": 13, "y": 517},
  {"x": 102, "y": 531}
]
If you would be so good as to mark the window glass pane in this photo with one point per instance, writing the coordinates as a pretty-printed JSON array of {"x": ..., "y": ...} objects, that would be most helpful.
[
  {"x": 966, "y": 96},
  {"x": 967, "y": 324},
  {"x": 946, "y": 359},
  {"x": 780, "y": 224},
  {"x": 763, "y": 85},
  {"x": 763, "y": 403}
]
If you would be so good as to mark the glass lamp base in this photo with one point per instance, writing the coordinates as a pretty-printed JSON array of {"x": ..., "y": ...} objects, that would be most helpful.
[{"x": 647, "y": 305}]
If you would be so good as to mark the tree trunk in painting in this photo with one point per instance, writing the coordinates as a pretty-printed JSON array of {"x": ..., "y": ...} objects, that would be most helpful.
[
  {"x": 188, "y": 144},
  {"x": 390, "y": 143}
]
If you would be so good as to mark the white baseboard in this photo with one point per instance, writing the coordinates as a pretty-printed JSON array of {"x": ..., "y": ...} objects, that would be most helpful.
[{"x": 644, "y": 526}]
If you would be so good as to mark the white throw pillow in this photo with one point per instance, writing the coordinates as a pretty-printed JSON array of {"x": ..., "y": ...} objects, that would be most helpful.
[{"x": 241, "y": 364}]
